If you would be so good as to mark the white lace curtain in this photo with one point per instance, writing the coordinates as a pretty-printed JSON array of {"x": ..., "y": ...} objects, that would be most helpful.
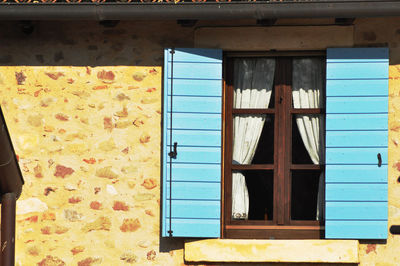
[
  {"x": 253, "y": 81},
  {"x": 307, "y": 93}
]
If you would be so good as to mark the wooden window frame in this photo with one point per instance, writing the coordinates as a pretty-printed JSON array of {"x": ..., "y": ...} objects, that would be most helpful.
[{"x": 281, "y": 227}]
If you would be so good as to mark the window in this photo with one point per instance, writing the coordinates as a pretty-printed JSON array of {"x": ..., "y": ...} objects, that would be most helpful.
[
  {"x": 274, "y": 128},
  {"x": 356, "y": 125}
]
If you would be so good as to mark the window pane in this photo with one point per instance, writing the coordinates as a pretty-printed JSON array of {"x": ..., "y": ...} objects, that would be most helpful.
[
  {"x": 253, "y": 139},
  {"x": 253, "y": 82},
  {"x": 308, "y": 82},
  {"x": 252, "y": 195},
  {"x": 308, "y": 139},
  {"x": 304, "y": 195}
]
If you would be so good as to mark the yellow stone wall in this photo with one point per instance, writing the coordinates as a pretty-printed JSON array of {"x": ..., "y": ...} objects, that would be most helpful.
[
  {"x": 88, "y": 143},
  {"x": 387, "y": 254},
  {"x": 83, "y": 106}
]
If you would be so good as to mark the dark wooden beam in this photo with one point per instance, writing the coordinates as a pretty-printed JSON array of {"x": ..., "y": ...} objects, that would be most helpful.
[
  {"x": 266, "y": 22},
  {"x": 189, "y": 23},
  {"x": 109, "y": 23},
  {"x": 344, "y": 21}
]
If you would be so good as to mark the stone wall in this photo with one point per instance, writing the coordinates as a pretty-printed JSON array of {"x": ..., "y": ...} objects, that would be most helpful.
[
  {"x": 83, "y": 106},
  {"x": 88, "y": 143}
]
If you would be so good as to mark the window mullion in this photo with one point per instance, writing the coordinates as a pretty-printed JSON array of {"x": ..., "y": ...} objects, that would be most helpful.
[
  {"x": 283, "y": 136},
  {"x": 287, "y": 138},
  {"x": 279, "y": 153},
  {"x": 287, "y": 142}
]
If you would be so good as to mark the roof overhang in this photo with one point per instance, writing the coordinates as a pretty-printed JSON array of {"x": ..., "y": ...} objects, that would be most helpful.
[{"x": 200, "y": 11}]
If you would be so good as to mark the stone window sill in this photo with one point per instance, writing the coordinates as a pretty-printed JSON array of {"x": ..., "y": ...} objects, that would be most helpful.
[{"x": 235, "y": 250}]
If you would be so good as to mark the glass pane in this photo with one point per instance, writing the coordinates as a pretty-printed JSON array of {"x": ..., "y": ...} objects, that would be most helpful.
[
  {"x": 253, "y": 82},
  {"x": 308, "y": 139},
  {"x": 308, "y": 79},
  {"x": 252, "y": 195},
  {"x": 253, "y": 139},
  {"x": 304, "y": 195}
]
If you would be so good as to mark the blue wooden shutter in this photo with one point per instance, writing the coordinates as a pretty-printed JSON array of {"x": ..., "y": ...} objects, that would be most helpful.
[
  {"x": 193, "y": 178},
  {"x": 356, "y": 132}
]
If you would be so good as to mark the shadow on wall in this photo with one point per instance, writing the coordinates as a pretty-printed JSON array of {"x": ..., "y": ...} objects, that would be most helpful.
[
  {"x": 83, "y": 43},
  {"x": 170, "y": 244}
]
